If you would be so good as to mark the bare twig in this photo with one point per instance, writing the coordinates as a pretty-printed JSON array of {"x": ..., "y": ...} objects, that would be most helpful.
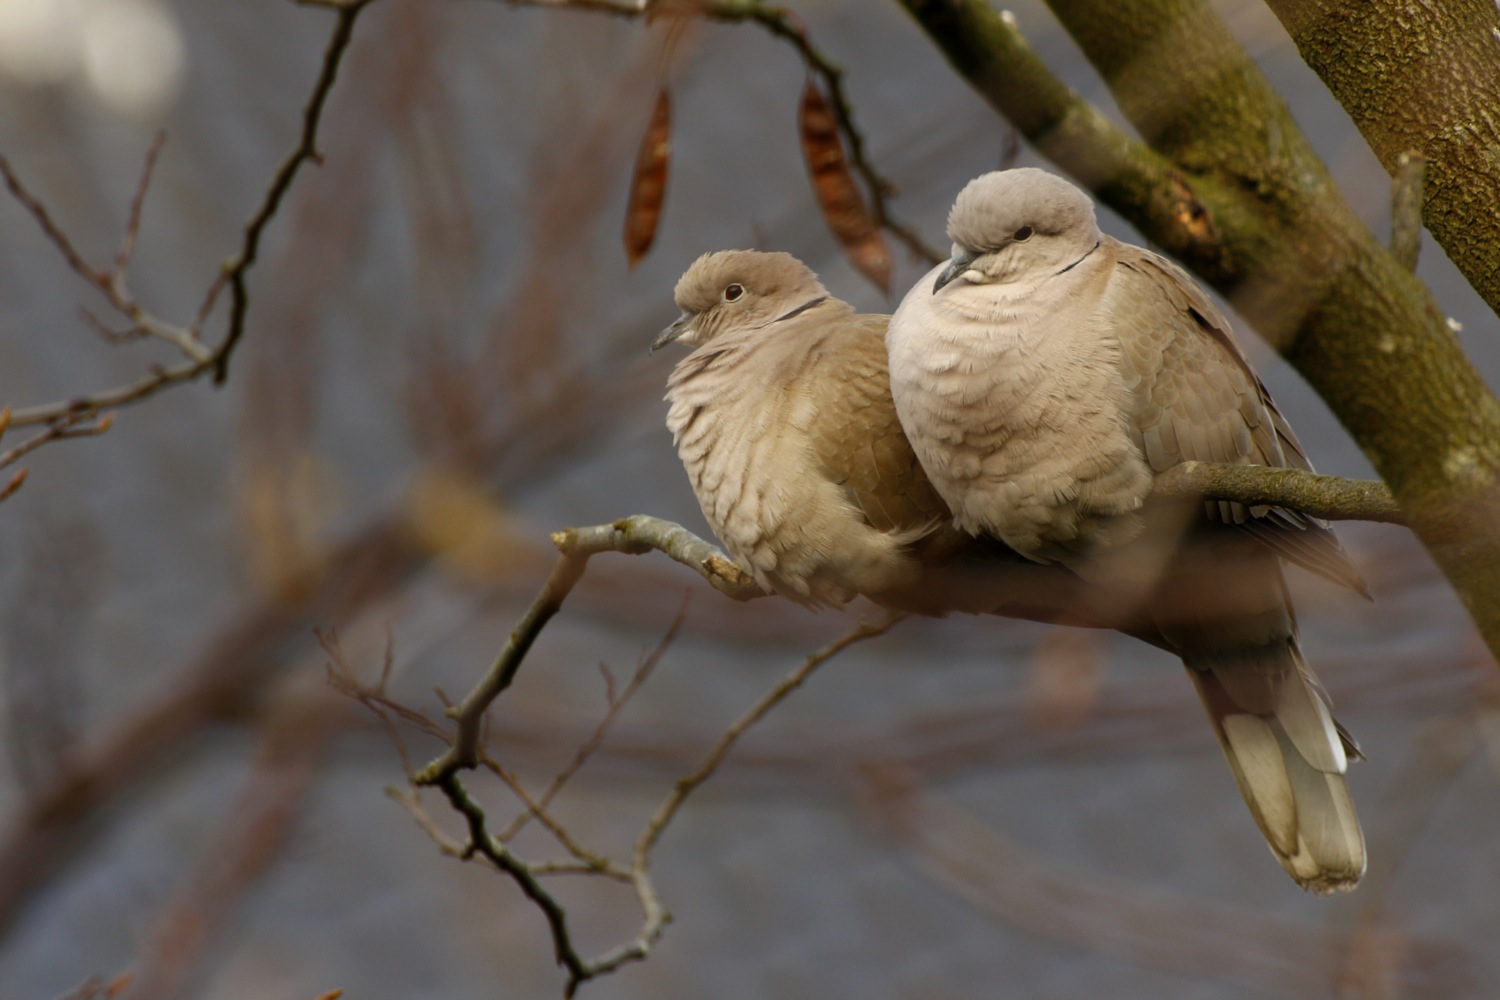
[
  {"x": 68, "y": 426},
  {"x": 655, "y": 916},
  {"x": 110, "y": 281},
  {"x": 585, "y": 860},
  {"x": 632, "y": 535},
  {"x": 481, "y": 842},
  {"x": 133, "y": 220},
  {"x": 617, "y": 702},
  {"x": 305, "y": 150}
]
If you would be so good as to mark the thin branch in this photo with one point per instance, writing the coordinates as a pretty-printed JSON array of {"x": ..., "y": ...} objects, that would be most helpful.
[
  {"x": 305, "y": 150},
  {"x": 111, "y": 281},
  {"x": 617, "y": 703},
  {"x": 641, "y": 533},
  {"x": 133, "y": 220},
  {"x": 469, "y": 714},
  {"x": 62, "y": 428},
  {"x": 783, "y": 24},
  {"x": 655, "y": 915},
  {"x": 50, "y": 229},
  {"x": 481, "y": 842},
  {"x": 583, "y": 858},
  {"x": 688, "y": 784},
  {"x": 632, "y": 535},
  {"x": 1330, "y": 497}
]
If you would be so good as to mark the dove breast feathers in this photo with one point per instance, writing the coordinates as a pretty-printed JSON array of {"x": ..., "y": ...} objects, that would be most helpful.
[{"x": 1023, "y": 395}]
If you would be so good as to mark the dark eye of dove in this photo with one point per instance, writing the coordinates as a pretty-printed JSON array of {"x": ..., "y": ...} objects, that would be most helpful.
[
  {"x": 733, "y": 291},
  {"x": 1022, "y": 235}
]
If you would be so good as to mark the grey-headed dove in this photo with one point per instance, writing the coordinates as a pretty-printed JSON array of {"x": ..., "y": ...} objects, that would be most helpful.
[{"x": 1044, "y": 375}]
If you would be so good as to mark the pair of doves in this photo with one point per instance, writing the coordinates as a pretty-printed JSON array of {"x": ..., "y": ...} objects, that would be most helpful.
[{"x": 991, "y": 447}]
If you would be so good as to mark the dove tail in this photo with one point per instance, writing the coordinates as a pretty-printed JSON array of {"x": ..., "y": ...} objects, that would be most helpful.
[{"x": 1288, "y": 756}]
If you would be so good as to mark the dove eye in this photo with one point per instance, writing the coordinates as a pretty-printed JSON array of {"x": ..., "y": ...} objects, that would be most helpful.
[
  {"x": 732, "y": 292},
  {"x": 1022, "y": 235}
]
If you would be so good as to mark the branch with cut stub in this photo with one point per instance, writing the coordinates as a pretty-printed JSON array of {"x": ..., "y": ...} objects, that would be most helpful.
[{"x": 83, "y": 416}]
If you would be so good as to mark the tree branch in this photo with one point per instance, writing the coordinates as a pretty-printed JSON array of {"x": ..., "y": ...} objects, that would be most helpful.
[
  {"x": 111, "y": 280},
  {"x": 1329, "y": 497},
  {"x": 632, "y": 535},
  {"x": 306, "y": 150},
  {"x": 783, "y": 24},
  {"x": 1247, "y": 204},
  {"x": 1421, "y": 77}
]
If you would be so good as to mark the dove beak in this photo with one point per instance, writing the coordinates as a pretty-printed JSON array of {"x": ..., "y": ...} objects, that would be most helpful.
[
  {"x": 683, "y": 324},
  {"x": 960, "y": 263}
]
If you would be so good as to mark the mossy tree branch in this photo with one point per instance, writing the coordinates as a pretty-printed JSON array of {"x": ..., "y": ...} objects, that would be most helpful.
[
  {"x": 1417, "y": 76},
  {"x": 1242, "y": 199}
]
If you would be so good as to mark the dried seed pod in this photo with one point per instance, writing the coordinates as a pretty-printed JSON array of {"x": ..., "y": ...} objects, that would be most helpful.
[
  {"x": 838, "y": 195},
  {"x": 648, "y": 187}
]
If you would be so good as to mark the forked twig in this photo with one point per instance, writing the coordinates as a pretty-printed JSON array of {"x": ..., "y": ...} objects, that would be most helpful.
[
  {"x": 111, "y": 280},
  {"x": 633, "y": 535}
]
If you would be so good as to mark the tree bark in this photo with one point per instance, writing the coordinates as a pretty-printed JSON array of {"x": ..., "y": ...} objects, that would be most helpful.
[
  {"x": 1421, "y": 76},
  {"x": 1242, "y": 199}
]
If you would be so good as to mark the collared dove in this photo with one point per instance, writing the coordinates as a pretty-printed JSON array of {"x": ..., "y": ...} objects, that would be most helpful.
[
  {"x": 783, "y": 418},
  {"x": 1044, "y": 375}
]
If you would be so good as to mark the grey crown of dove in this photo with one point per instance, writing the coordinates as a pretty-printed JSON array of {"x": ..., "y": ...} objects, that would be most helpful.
[{"x": 1044, "y": 376}]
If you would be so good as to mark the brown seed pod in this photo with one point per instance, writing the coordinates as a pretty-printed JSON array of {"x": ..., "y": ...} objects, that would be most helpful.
[
  {"x": 838, "y": 195},
  {"x": 648, "y": 186}
]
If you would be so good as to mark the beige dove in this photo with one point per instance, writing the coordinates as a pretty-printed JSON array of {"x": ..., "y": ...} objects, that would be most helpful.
[
  {"x": 783, "y": 418},
  {"x": 1044, "y": 375}
]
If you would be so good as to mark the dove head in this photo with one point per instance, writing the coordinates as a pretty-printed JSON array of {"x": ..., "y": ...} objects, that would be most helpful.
[
  {"x": 739, "y": 290},
  {"x": 1018, "y": 224}
]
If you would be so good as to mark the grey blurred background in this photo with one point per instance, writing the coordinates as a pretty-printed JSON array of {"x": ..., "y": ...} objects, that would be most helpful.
[{"x": 446, "y": 358}]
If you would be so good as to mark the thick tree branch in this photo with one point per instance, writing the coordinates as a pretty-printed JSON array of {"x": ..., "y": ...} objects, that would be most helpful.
[
  {"x": 986, "y": 48},
  {"x": 1424, "y": 77},
  {"x": 1259, "y": 217}
]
